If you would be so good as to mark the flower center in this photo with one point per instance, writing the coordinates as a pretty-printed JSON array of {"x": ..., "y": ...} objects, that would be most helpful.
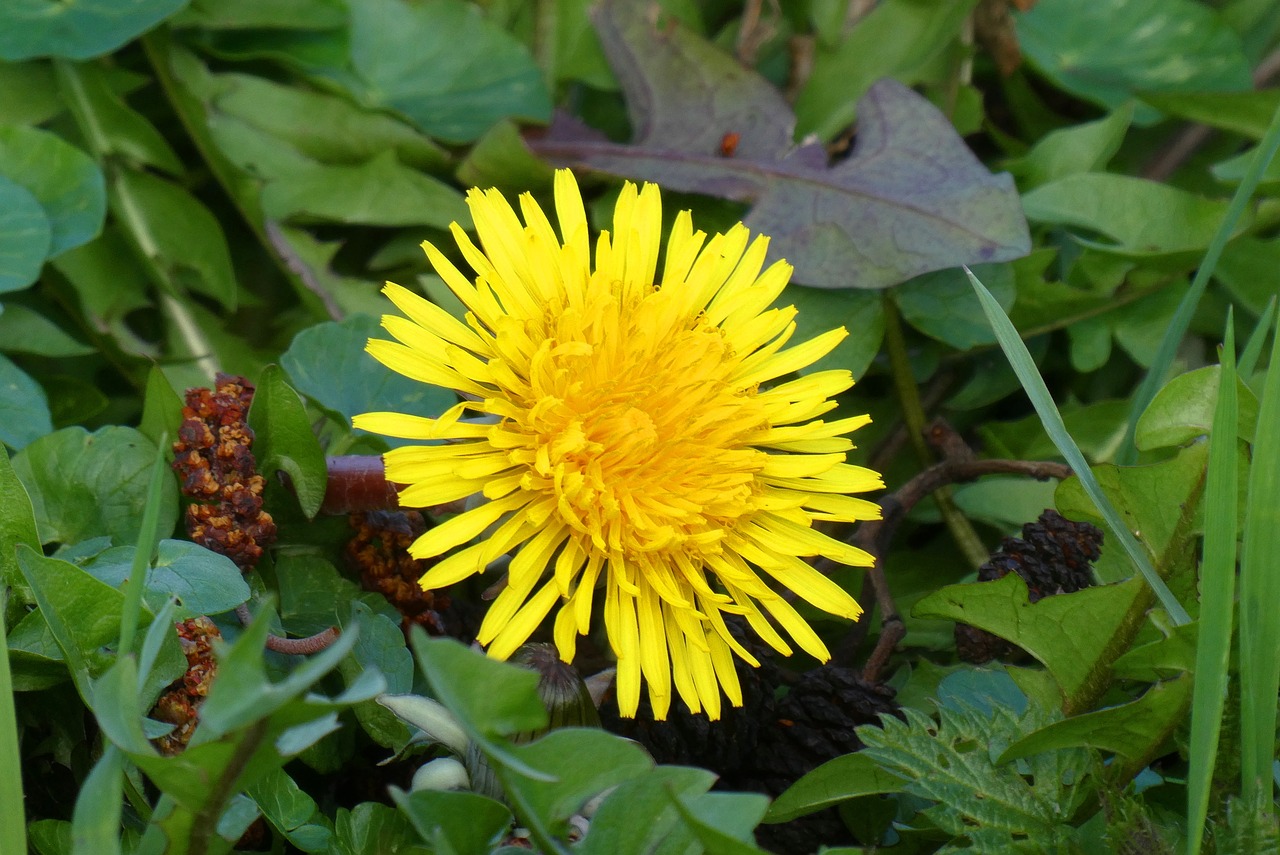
[{"x": 635, "y": 429}]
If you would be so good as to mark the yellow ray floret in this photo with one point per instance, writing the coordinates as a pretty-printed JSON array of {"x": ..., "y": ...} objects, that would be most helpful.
[{"x": 616, "y": 435}]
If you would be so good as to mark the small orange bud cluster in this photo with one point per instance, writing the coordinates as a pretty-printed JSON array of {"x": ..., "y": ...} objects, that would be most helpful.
[
  {"x": 180, "y": 705},
  {"x": 379, "y": 551},
  {"x": 218, "y": 471}
]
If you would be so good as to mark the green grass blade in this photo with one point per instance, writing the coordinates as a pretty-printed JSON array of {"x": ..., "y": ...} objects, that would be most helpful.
[
  {"x": 1259, "y": 594},
  {"x": 95, "y": 821},
  {"x": 1023, "y": 365},
  {"x": 1257, "y": 338},
  {"x": 147, "y": 536},
  {"x": 1217, "y": 596},
  {"x": 1177, "y": 328}
]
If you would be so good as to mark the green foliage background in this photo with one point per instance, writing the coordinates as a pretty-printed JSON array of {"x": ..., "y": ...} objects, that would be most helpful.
[{"x": 192, "y": 186}]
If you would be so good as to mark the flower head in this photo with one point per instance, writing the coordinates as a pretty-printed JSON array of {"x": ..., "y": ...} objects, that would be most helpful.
[{"x": 626, "y": 440}]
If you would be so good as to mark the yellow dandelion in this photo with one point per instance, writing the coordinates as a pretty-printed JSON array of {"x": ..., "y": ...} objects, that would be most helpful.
[{"x": 627, "y": 440}]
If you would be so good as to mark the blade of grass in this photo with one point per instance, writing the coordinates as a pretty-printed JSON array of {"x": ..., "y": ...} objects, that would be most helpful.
[
  {"x": 1259, "y": 593},
  {"x": 1257, "y": 338},
  {"x": 17, "y": 525},
  {"x": 1217, "y": 596},
  {"x": 1029, "y": 376},
  {"x": 1177, "y": 328},
  {"x": 147, "y": 537}
]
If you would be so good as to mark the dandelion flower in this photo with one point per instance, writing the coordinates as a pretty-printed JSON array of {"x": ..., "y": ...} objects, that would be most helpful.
[{"x": 628, "y": 444}]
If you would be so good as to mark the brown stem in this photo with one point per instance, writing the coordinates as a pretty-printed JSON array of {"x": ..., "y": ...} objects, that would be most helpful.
[{"x": 293, "y": 646}]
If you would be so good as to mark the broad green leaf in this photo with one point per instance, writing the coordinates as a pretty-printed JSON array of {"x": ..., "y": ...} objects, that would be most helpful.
[
  {"x": 450, "y": 71},
  {"x": 161, "y": 408},
  {"x": 315, "y": 596},
  {"x": 467, "y": 823},
  {"x": 1073, "y": 635},
  {"x": 24, "y": 409},
  {"x": 26, "y": 236},
  {"x": 17, "y": 525},
  {"x": 373, "y": 827},
  {"x": 1134, "y": 730},
  {"x": 501, "y": 159},
  {"x": 83, "y": 484},
  {"x": 638, "y": 817},
  {"x": 95, "y": 821},
  {"x": 942, "y": 305},
  {"x": 28, "y": 93},
  {"x": 909, "y": 199},
  {"x": 204, "y": 582},
  {"x": 837, "y": 780},
  {"x": 379, "y": 192},
  {"x": 489, "y": 697},
  {"x": 325, "y": 127},
  {"x": 80, "y": 30},
  {"x": 1118, "y": 207},
  {"x": 381, "y": 648},
  {"x": 1184, "y": 410},
  {"x": 109, "y": 285},
  {"x": 823, "y": 309},
  {"x": 584, "y": 762},
  {"x": 722, "y": 822},
  {"x": 66, "y": 182},
  {"x": 328, "y": 364},
  {"x": 284, "y": 440},
  {"x": 118, "y": 129},
  {"x": 1086, "y": 147},
  {"x": 24, "y": 330},
  {"x": 1109, "y": 50},
  {"x": 185, "y": 239},
  {"x": 1244, "y": 113},
  {"x": 83, "y": 614},
  {"x": 898, "y": 39},
  {"x": 117, "y": 705},
  {"x": 1161, "y": 659},
  {"x": 290, "y": 810},
  {"x": 264, "y": 14}
]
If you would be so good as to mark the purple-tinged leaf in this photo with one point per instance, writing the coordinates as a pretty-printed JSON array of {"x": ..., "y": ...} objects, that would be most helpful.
[{"x": 911, "y": 198}]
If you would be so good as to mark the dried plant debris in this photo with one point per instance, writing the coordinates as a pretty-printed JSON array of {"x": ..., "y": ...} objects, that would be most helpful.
[
  {"x": 214, "y": 457},
  {"x": 180, "y": 704}
]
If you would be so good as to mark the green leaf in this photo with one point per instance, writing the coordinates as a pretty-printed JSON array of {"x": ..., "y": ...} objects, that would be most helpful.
[
  {"x": 1161, "y": 659},
  {"x": 28, "y": 93},
  {"x": 381, "y": 648},
  {"x": 639, "y": 817},
  {"x": 379, "y": 192},
  {"x": 1119, "y": 208},
  {"x": 161, "y": 408},
  {"x": 255, "y": 14},
  {"x": 501, "y": 159},
  {"x": 24, "y": 410},
  {"x": 1134, "y": 730},
  {"x": 1109, "y": 50},
  {"x": 24, "y": 330},
  {"x": 80, "y": 30},
  {"x": 325, "y": 127},
  {"x": 823, "y": 309},
  {"x": 898, "y": 39},
  {"x": 284, "y": 440},
  {"x": 942, "y": 305},
  {"x": 117, "y": 128},
  {"x": 84, "y": 617},
  {"x": 328, "y": 364},
  {"x": 67, "y": 183},
  {"x": 837, "y": 780},
  {"x": 410, "y": 58},
  {"x": 1184, "y": 410},
  {"x": 466, "y": 823},
  {"x": 17, "y": 525},
  {"x": 26, "y": 236},
  {"x": 204, "y": 582},
  {"x": 722, "y": 822},
  {"x": 1244, "y": 113},
  {"x": 290, "y": 810},
  {"x": 372, "y": 827},
  {"x": 584, "y": 762},
  {"x": 183, "y": 237},
  {"x": 489, "y": 697},
  {"x": 1073, "y": 635},
  {"x": 95, "y": 822},
  {"x": 1086, "y": 147},
  {"x": 83, "y": 484}
]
